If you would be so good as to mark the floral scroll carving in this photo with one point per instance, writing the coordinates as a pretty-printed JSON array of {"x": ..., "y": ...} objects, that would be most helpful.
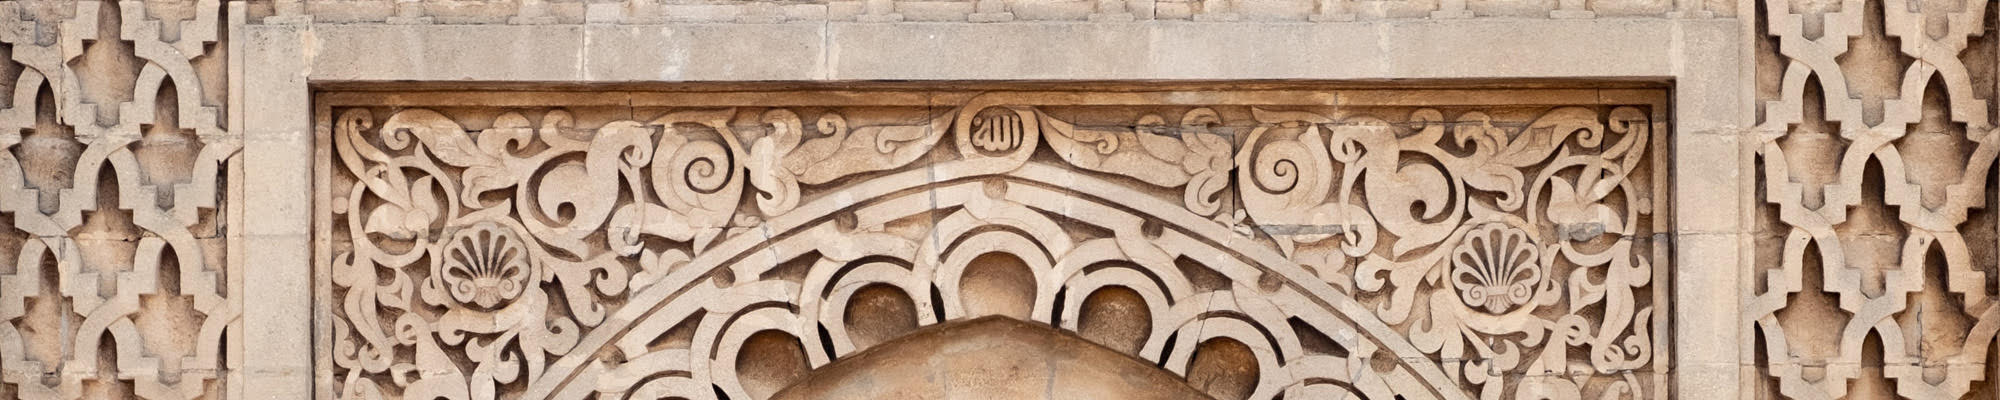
[
  {"x": 538, "y": 12},
  {"x": 1557, "y": 227},
  {"x": 656, "y": 251}
]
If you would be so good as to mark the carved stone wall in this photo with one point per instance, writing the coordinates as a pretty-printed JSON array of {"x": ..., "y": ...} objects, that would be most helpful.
[
  {"x": 1875, "y": 246},
  {"x": 116, "y": 258},
  {"x": 533, "y": 12},
  {"x": 1395, "y": 243},
  {"x": 549, "y": 199}
]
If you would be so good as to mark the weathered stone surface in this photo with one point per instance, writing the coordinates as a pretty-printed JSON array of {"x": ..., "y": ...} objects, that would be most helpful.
[
  {"x": 117, "y": 277},
  {"x": 1874, "y": 267},
  {"x": 644, "y": 249},
  {"x": 1261, "y": 198},
  {"x": 532, "y": 12},
  {"x": 990, "y": 357}
]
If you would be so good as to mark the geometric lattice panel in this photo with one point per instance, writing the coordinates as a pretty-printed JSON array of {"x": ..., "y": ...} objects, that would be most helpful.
[
  {"x": 1875, "y": 243},
  {"x": 119, "y": 274}
]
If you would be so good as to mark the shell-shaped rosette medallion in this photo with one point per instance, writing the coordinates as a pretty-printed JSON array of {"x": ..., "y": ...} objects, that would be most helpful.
[
  {"x": 1496, "y": 268},
  {"x": 485, "y": 266}
]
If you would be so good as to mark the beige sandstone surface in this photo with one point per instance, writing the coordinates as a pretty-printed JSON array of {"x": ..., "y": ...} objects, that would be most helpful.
[{"x": 1297, "y": 199}]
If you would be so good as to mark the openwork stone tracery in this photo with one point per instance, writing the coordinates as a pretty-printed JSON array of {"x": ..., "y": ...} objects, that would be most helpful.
[{"x": 725, "y": 244}]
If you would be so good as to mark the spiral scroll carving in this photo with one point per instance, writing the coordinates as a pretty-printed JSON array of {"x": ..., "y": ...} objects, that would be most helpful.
[{"x": 1255, "y": 251}]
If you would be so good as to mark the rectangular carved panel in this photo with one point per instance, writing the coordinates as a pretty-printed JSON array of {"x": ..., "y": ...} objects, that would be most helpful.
[
  {"x": 1251, "y": 242},
  {"x": 537, "y": 12}
]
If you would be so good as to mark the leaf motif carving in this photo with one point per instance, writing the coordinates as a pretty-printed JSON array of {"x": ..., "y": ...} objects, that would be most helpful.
[
  {"x": 444, "y": 138},
  {"x": 652, "y": 290}
]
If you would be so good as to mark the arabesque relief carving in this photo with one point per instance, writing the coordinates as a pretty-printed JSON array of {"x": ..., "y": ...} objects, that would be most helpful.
[
  {"x": 1261, "y": 238},
  {"x": 116, "y": 268},
  {"x": 540, "y": 12},
  {"x": 1874, "y": 269},
  {"x": 1260, "y": 244}
]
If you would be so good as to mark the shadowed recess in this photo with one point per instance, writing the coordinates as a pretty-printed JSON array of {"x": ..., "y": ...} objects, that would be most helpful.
[{"x": 990, "y": 358}]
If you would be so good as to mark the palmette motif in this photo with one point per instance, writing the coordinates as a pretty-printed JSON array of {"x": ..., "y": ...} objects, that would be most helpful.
[
  {"x": 542, "y": 258},
  {"x": 1478, "y": 270}
]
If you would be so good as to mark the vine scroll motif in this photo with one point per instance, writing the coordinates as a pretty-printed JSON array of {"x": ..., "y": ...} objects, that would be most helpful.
[
  {"x": 1522, "y": 245},
  {"x": 557, "y": 254},
  {"x": 536, "y": 12}
]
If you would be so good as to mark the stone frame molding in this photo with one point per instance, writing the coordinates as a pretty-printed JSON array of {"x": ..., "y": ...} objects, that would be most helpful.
[{"x": 1702, "y": 58}]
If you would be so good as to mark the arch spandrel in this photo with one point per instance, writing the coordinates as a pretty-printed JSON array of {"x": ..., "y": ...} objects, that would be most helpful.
[{"x": 662, "y": 248}]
